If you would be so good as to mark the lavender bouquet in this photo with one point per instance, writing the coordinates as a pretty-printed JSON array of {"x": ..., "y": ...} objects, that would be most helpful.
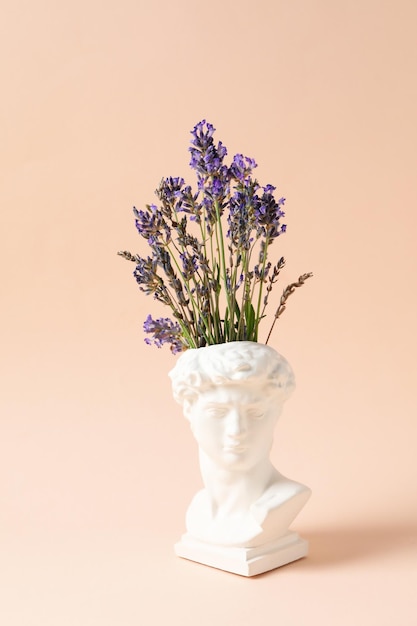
[{"x": 209, "y": 250}]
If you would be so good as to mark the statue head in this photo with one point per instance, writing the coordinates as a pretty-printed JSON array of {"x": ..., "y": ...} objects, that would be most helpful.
[{"x": 232, "y": 394}]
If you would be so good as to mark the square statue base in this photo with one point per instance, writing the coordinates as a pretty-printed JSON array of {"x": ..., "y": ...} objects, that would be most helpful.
[{"x": 244, "y": 561}]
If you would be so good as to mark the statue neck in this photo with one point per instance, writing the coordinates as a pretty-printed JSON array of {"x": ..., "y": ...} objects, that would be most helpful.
[{"x": 233, "y": 491}]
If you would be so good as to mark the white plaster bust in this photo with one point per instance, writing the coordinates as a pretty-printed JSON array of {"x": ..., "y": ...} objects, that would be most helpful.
[{"x": 232, "y": 394}]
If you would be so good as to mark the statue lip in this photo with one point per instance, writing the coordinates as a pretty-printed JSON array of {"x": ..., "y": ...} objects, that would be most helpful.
[{"x": 234, "y": 448}]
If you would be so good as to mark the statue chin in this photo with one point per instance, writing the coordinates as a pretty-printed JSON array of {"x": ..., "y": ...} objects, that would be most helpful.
[{"x": 266, "y": 520}]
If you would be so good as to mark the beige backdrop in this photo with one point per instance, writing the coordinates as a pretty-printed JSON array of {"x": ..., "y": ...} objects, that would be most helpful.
[{"x": 97, "y": 463}]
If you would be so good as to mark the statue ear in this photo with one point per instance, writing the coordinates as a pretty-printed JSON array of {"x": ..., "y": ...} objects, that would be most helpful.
[
  {"x": 186, "y": 409},
  {"x": 188, "y": 401}
]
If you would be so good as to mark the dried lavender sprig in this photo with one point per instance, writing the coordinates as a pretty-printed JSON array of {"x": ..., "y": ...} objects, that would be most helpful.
[
  {"x": 129, "y": 256},
  {"x": 285, "y": 295},
  {"x": 180, "y": 309},
  {"x": 271, "y": 280}
]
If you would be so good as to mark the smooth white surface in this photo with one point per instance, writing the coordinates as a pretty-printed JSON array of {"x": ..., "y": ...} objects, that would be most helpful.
[
  {"x": 232, "y": 394},
  {"x": 244, "y": 561}
]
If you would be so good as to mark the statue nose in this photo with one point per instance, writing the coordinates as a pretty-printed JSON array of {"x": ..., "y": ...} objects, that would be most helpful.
[{"x": 235, "y": 424}]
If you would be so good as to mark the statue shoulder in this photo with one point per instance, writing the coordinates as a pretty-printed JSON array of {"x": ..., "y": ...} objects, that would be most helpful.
[{"x": 282, "y": 490}]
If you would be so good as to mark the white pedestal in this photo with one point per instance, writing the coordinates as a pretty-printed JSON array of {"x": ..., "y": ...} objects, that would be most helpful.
[{"x": 244, "y": 561}]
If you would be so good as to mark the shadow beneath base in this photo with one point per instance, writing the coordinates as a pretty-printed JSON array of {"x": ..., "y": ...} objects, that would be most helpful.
[
  {"x": 338, "y": 545},
  {"x": 331, "y": 547}
]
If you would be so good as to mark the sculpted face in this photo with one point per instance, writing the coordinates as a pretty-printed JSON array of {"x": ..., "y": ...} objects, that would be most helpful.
[{"x": 234, "y": 426}]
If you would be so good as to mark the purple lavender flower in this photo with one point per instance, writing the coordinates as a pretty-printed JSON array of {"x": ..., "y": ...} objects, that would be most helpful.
[
  {"x": 201, "y": 136},
  {"x": 164, "y": 331},
  {"x": 268, "y": 214},
  {"x": 188, "y": 203},
  {"x": 145, "y": 274},
  {"x": 260, "y": 272},
  {"x": 189, "y": 264},
  {"x": 171, "y": 192},
  {"x": 242, "y": 214},
  {"x": 151, "y": 224},
  {"x": 148, "y": 280},
  {"x": 241, "y": 167},
  {"x": 218, "y": 186},
  {"x": 206, "y": 157}
]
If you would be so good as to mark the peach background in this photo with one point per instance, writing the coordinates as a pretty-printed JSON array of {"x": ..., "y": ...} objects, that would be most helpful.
[{"x": 97, "y": 463}]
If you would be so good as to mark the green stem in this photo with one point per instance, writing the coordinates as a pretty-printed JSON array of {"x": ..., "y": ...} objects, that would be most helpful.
[
  {"x": 259, "y": 315},
  {"x": 222, "y": 265}
]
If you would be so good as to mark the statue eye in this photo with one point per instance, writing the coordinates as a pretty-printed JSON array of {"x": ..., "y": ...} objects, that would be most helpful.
[
  {"x": 255, "y": 414},
  {"x": 215, "y": 411}
]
